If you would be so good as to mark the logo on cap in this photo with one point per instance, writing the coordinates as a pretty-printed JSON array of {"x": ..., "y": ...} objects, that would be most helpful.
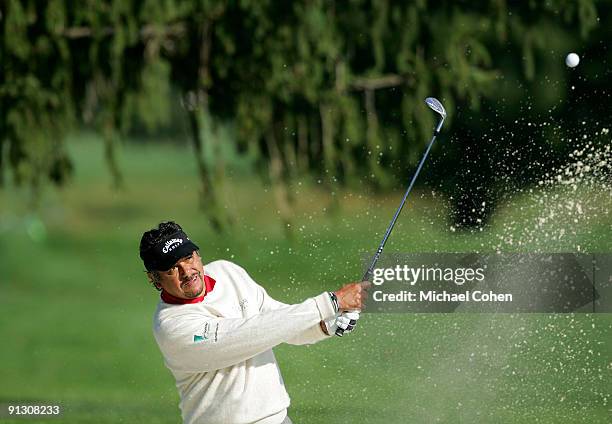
[{"x": 172, "y": 244}]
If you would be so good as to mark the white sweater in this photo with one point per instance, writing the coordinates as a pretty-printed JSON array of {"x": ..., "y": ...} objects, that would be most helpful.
[{"x": 220, "y": 350}]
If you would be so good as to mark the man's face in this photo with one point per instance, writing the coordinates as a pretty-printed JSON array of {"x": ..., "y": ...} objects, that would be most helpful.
[{"x": 185, "y": 279}]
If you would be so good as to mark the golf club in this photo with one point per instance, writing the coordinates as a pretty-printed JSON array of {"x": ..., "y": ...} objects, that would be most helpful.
[{"x": 437, "y": 107}]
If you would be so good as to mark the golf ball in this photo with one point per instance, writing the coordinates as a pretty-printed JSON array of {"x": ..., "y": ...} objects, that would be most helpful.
[{"x": 572, "y": 60}]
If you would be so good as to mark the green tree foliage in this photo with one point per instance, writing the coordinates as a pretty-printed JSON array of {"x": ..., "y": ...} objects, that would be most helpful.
[{"x": 327, "y": 88}]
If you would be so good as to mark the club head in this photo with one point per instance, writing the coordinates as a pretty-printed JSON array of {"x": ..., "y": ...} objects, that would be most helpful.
[{"x": 436, "y": 106}]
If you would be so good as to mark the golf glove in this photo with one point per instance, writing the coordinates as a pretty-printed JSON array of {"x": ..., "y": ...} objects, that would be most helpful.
[{"x": 346, "y": 321}]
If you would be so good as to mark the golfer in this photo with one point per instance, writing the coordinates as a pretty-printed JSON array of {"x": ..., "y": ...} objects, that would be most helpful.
[{"x": 216, "y": 328}]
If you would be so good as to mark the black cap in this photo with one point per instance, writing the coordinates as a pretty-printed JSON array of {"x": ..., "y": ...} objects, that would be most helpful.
[{"x": 162, "y": 256}]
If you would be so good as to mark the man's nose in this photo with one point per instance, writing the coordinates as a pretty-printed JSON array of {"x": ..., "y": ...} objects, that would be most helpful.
[{"x": 183, "y": 269}]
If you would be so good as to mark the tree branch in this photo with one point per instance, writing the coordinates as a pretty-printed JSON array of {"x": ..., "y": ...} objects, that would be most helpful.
[
  {"x": 148, "y": 31},
  {"x": 377, "y": 83}
]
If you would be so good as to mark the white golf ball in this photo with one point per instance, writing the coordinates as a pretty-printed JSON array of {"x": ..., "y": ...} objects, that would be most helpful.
[{"x": 572, "y": 60}]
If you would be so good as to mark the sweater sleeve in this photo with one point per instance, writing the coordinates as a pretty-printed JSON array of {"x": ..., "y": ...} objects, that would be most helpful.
[
  {"x": 266, "y": 303},
  {"x": 198, "y": 343},
  {"x": 311, "y": 335}
]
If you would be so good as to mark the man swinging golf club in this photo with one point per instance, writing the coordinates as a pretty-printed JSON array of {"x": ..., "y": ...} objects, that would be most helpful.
[{"x": 216, "y": 328}]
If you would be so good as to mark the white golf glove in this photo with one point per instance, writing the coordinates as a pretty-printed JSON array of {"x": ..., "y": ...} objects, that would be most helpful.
[{"x": 345, "y": 321}]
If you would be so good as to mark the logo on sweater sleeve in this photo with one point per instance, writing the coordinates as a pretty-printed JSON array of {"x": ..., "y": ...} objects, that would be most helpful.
[
  {"x": 197, "y": 338},
  {"x": 207, "y": 333}
]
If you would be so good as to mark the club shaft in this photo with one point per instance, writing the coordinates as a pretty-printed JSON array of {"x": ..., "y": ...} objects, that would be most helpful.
[{"x": 368, "y": 274}]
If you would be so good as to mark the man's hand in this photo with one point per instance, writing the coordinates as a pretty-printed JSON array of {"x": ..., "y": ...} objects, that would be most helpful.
[
  {"x": 351, "y": 299},
  {"x": 352, "y": 296}
]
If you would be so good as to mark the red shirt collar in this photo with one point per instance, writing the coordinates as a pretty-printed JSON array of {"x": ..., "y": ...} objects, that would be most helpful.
[{"x": 209, "y": 284}]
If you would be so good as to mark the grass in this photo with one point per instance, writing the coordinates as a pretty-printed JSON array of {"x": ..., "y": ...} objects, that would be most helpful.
[{"x": 76, "y": 309}]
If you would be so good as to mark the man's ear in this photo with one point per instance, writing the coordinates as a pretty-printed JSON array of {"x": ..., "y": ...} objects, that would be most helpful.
[{"x": 154, "y": 280}]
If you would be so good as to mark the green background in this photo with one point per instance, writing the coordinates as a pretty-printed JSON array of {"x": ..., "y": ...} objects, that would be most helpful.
[
  {"x": 254, "y": 115},
  {"x": 76, "y": 308}
]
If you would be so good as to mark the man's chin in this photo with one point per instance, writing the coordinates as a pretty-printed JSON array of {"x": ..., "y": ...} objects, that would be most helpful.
[{"x": 193, "y": 295}]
